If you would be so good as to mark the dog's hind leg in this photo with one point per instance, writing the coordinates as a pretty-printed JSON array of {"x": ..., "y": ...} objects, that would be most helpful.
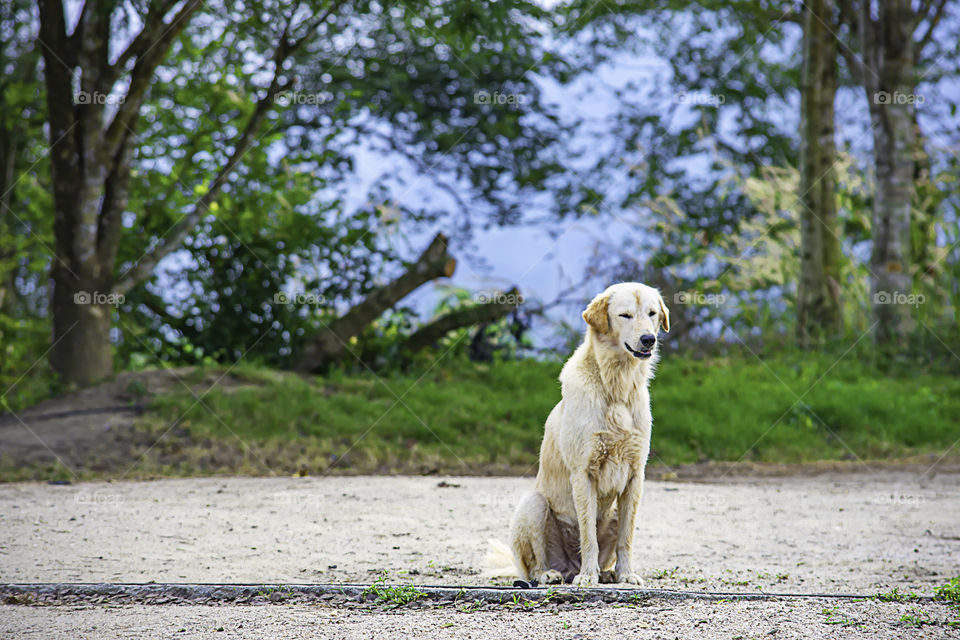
[{"x": 530, "y": 534}]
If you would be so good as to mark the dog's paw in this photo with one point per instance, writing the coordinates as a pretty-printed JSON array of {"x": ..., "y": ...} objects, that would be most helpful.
[
  {"x": 550, "y": 576},
  {"x": 585, "y": 579},
  {"x": 630, "y": 578}
]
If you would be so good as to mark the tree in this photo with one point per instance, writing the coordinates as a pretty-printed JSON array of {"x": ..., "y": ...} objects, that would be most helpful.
[
  {"x": 172, "y": 123},
  {"x": 891, "y": 34},
  {"x": 818, "y": 295},
  {"x": 91, "y": 149}
]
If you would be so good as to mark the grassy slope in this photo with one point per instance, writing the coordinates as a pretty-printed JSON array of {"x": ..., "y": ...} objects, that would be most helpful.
[{"x": 464, "y": 417}]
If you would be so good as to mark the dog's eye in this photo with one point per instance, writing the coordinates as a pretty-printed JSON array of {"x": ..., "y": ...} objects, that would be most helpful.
[
  {"x": 626, "y": 315},
  {"x": 652, "y": 313}
]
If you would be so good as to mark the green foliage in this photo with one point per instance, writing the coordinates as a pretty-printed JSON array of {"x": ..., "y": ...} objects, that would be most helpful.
[
  {"x": 24, "y": 374},
  {"x": 711, "y": 189},
  {"x": 732, "y": 70},
  {"x": 403, "y": 80},
  {"x": 747, "y": 280},
  {"x": 26, "y": 226},
  {"x": 426, "y": 77}
]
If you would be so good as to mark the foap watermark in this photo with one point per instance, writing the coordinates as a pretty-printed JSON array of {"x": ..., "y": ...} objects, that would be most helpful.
[
  {"x": 85, "y": 97},
  {"x": 98, "y": 498},
  {"x": 282, "y": 297},
  {"x": 493, "y": 499},
  {"x": 700, "y": 99},
  {"x": 886, "y": 97},
  {"x": 899, "y": 499},
  {"x": 497, "y": 98},
  {"x": 897, "y": 297},
  {"x": 300, "y": 98},
  {"x": 696, "y": 500},
  {"x": 98, "y": 298},
  {"x": 293, "y": 499},
  {"x": 699, "y": 298},
  {"x": 498, "y": 297}
]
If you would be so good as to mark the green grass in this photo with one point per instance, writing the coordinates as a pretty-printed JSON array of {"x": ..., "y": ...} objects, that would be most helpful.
[
  {"x": 798, "y": 410},
  {"x": 465, "y": 417}
]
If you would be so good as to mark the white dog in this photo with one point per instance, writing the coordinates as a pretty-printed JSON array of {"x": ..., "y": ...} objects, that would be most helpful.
[{"x": 579, "y": 522}]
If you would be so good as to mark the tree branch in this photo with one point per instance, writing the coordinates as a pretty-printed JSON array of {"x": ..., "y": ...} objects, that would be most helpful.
[
  {"x": 868, "y": 48},
  {"x": 934, "y": 21},
  {"x": 142, "y": 41},
  {"x": 56, "y": 50},
  {"x": 850, "y": 17},
  {"x": 183, "y": 228},
  {"x": 285, "y": 48},
  {"x": 142, "y": 75},
  {"x": 76, "y": 38},
  {"x": 115, "y": 196}
]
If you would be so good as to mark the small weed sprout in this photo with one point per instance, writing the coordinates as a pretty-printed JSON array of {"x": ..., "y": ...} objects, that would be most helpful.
[
  {"x": 895, "y": 595},
  {"x": 394, "y": 596},
  {"x": 949, "y": 592}
]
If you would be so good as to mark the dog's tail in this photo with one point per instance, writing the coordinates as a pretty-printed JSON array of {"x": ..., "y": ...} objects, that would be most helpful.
[{"x": 500, "y": 561}]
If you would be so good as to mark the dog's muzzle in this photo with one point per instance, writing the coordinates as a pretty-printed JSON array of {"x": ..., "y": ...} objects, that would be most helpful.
[{"x": 644, "y": 352}]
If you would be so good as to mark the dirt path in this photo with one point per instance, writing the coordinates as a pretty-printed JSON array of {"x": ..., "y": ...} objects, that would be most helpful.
[{"x": 862, "y": 533}]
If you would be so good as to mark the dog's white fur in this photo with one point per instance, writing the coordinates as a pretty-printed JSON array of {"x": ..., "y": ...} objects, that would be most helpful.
[{"x": 578, "y": 524}]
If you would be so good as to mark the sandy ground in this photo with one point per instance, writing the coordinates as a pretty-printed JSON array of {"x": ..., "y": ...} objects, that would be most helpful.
[
  {"x": 861, "y": 533},
  {"x": 828, "y": 533}
]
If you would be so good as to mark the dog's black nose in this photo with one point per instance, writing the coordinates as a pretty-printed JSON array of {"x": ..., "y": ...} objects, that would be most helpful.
[{"x": 648, "y": 340}]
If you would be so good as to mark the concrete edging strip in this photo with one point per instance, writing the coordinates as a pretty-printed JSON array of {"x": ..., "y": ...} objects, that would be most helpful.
[{"x": 174, "y": 593}]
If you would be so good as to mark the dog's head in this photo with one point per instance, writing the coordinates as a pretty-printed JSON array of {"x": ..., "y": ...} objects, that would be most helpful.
[{"x": 629, "y": 316}]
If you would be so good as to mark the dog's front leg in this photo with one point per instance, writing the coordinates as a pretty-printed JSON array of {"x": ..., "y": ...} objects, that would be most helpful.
[
  {"x": 627, "y": 504},
  {"x": 585, "y": 502}
]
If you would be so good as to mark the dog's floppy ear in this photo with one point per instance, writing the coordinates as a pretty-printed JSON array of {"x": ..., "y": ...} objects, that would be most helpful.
[
  {"x": 664, "y": 315},
  {"x": 595, "y": 314}
]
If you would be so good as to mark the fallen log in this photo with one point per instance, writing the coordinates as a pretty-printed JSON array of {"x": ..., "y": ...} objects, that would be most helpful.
[
  {"x": 329, "y": 345},
  {"x": 430, "y": 334}
]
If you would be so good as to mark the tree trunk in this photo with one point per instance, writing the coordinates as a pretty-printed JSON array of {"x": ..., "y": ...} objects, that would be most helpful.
[
  {"x": 890, "y": 260},
  {"x": 927, "y": 200},
  {"x": 818, "y": 296},
  {"x": 889, "y": 82},
  {"x": 81, "y": 352},
  {"x": 330, "y": 343}
]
